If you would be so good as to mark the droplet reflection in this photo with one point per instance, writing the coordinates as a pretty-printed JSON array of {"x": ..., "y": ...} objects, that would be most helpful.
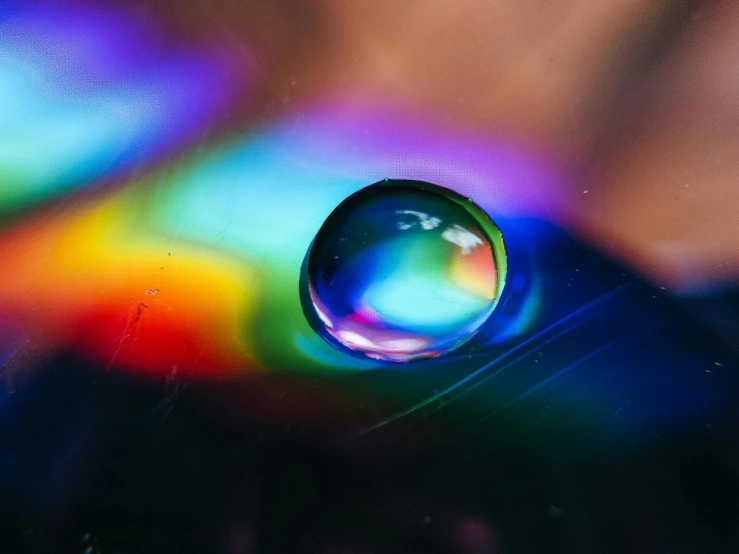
[{"x": 403, "y": 270}]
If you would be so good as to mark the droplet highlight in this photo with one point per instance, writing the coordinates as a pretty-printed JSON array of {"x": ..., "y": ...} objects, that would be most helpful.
[{"x": 403, "y": 270}]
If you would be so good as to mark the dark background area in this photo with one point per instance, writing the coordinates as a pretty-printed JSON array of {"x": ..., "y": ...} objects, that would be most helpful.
[{"x": 610, "y": 430}]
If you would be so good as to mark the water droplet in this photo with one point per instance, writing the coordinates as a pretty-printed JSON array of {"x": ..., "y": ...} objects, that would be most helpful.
[{"x": 403, "y": 270}]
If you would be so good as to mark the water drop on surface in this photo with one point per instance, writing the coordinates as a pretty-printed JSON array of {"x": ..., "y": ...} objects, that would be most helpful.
[{"x": 402, "y": 270}]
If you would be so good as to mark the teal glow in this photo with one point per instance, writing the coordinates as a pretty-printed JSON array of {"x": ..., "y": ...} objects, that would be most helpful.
[
  {"x": 258, "y": 201},
  {"x": 422, "y": 302},
  {"x": 254, "y": 199},
  {"x": 83, "y": 96},
  {"x": 409, "y": 295},
  {"x": 264, "y": 197}
]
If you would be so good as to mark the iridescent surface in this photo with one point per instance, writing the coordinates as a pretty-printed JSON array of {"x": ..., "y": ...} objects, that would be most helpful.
[
  {"x": 161, "y": 389},
  {"x": 195, "y": 265},
  {"x": 403, "y": 270}
]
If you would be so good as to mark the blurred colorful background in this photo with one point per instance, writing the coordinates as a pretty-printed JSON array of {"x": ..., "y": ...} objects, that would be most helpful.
[
  {"x": 164, "y": 168},
  {"x": 190, "y": 263},
  {"x": 162, "y": 178}
]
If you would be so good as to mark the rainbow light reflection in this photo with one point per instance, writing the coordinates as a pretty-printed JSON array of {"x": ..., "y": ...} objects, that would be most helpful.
[{"x": 195, "y": 268}]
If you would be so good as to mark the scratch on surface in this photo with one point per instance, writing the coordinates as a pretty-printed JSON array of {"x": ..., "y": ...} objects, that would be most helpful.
[
  {"x": 134, "y": 318},
  {"x": 500, "y": 370},
  {"x": 117, "y": 351},
  {"x": 175, "y": 231},
  {"x": 550, "y": 379},
  {"x": 197, "y": 358},
  {"x": 11, "y": 364},
  {"x": 140, "y": 311},
  {"x": 172, "y": 390},
  {"x": 222, "y": 234},
  {"x": 482, "y": 370}
]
